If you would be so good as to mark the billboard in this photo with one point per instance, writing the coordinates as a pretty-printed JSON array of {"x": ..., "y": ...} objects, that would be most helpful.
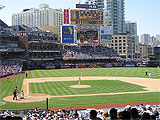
[
  {"x": 66, "y": 16},
  {"x": 106, "y": 17},
  {"x": 67, "y": 34},
  {"x": 86, "y": 6},
  {"x": 106, "y": 33}
]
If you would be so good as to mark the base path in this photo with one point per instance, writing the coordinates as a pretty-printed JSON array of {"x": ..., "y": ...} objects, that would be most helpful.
[{"x": 152, "y": 85}]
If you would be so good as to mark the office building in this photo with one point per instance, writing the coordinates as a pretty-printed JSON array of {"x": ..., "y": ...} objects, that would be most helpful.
[
  {"x": 124, "y": 45},
  {"x": 143, "y": 51}
]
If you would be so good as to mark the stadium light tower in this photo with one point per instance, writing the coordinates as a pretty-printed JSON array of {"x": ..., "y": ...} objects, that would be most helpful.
[{"x": 1, "y": 7}]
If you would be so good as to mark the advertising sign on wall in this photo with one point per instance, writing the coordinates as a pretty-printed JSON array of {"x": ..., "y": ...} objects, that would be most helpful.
[
  {"x": 106, "y": 17},
  {"x": 86, "y": 6},
  {"x": 66, "y": 16},
  {"x": 67, "y": 35},
  {"x": 106, "y": 33}
]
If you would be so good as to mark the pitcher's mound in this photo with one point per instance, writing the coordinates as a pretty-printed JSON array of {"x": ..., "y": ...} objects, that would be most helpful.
[{"x": 80, "y": 86}]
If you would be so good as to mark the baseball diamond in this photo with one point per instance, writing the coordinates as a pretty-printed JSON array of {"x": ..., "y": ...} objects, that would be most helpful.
[{"x": 107, "y": 86}]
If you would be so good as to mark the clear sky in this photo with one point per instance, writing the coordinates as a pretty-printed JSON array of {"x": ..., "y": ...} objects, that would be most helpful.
[{"x": 145, "y": 12}]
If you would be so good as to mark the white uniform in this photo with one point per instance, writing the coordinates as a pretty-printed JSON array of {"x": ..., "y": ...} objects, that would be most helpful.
[
  {"x": 150, "y": 74},
  {"x": 41, "y": 76},
  {"x": 79, "y": 81},
  {"x": 22, "y": 95},
  {"x": 81, "y": 73}
]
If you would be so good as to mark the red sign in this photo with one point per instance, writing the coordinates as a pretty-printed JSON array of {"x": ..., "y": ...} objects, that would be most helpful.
[
  {"x": 50, "y": 66},
  {"x": 66, "y": 16}
]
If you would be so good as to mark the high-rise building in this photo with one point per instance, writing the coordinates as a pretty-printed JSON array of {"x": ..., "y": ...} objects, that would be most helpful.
[
  {"x": 131, "y": 29},
  {"x": 116, "y": 8},
  {"x": 38, "y": 17}
]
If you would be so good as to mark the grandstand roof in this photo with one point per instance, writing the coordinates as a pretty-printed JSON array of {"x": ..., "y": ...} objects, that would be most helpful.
[{"x": 3, "y": 24}]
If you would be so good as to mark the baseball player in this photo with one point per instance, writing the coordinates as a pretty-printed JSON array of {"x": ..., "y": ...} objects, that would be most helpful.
[
  {"x": 26, "y": 74},
  {"x": 16, "y": 90},
  {"x": 79, "y": 81},
  {"x": 81, "y": 73},
  {"x": 41, "y": 76},
  {"x": 150, "y": 74}
]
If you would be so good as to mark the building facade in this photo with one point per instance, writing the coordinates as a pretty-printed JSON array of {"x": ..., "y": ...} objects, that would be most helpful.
[
  {"x": 158, "y": 37},
  {"x": 124, "y": 45},
  {"x": 144, "y": 51},
  {"x": 145, "y": 38},
  {"x": 154, "y": 60},
  {"x": 116, "y": 8},
  {"x": 39, "y": 17}
]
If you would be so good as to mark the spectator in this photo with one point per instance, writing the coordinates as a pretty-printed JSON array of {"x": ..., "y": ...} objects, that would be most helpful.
[
  {"x": 93, "y": 115},
  {"x": 134, "y": 114},
  {"x": 128, "y": 108},
  {"x": 146, "y": 116},
  {"x": 105, "y": 115},
  {"x": 113, "y": 114},
  {"x": 125, "y": 115}
]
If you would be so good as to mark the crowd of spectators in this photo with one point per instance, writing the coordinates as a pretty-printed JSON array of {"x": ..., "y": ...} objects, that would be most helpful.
[
  {"x": 6, "y": 115},
  {"x": 139, "y": 112},
  {"x": 88, "y": 52},
  {"x": 10, "y": 68}
]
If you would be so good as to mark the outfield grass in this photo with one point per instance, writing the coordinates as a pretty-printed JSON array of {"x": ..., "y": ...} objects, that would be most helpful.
[
  {"x": 58, "y": 88},
  {"x": 116, "y": 72},
  {"x": 6, "y": 88}
]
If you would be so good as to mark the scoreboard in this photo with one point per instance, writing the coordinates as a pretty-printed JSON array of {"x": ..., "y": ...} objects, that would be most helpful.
[{"x": 86, "y": 17}]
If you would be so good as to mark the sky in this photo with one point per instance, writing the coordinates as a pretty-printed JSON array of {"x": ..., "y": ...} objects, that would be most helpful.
[{"x": 145, "y": 12}]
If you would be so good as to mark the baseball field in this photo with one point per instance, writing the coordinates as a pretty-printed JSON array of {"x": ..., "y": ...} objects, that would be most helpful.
[{"x": 98, "y": 86}]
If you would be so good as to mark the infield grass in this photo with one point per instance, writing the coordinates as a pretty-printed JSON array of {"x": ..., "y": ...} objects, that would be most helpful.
[{"x": 58, "y": 88}]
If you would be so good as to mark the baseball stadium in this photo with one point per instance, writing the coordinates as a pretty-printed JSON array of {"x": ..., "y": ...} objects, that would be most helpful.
[{"x": 41, "y": 76}]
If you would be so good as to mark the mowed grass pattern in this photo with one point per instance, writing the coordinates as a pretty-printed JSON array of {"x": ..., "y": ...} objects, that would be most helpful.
[
  {"x": 6, "y": 88},
  {"x": 115, "y": 72},
  {"x": 58, "y": 88}
]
